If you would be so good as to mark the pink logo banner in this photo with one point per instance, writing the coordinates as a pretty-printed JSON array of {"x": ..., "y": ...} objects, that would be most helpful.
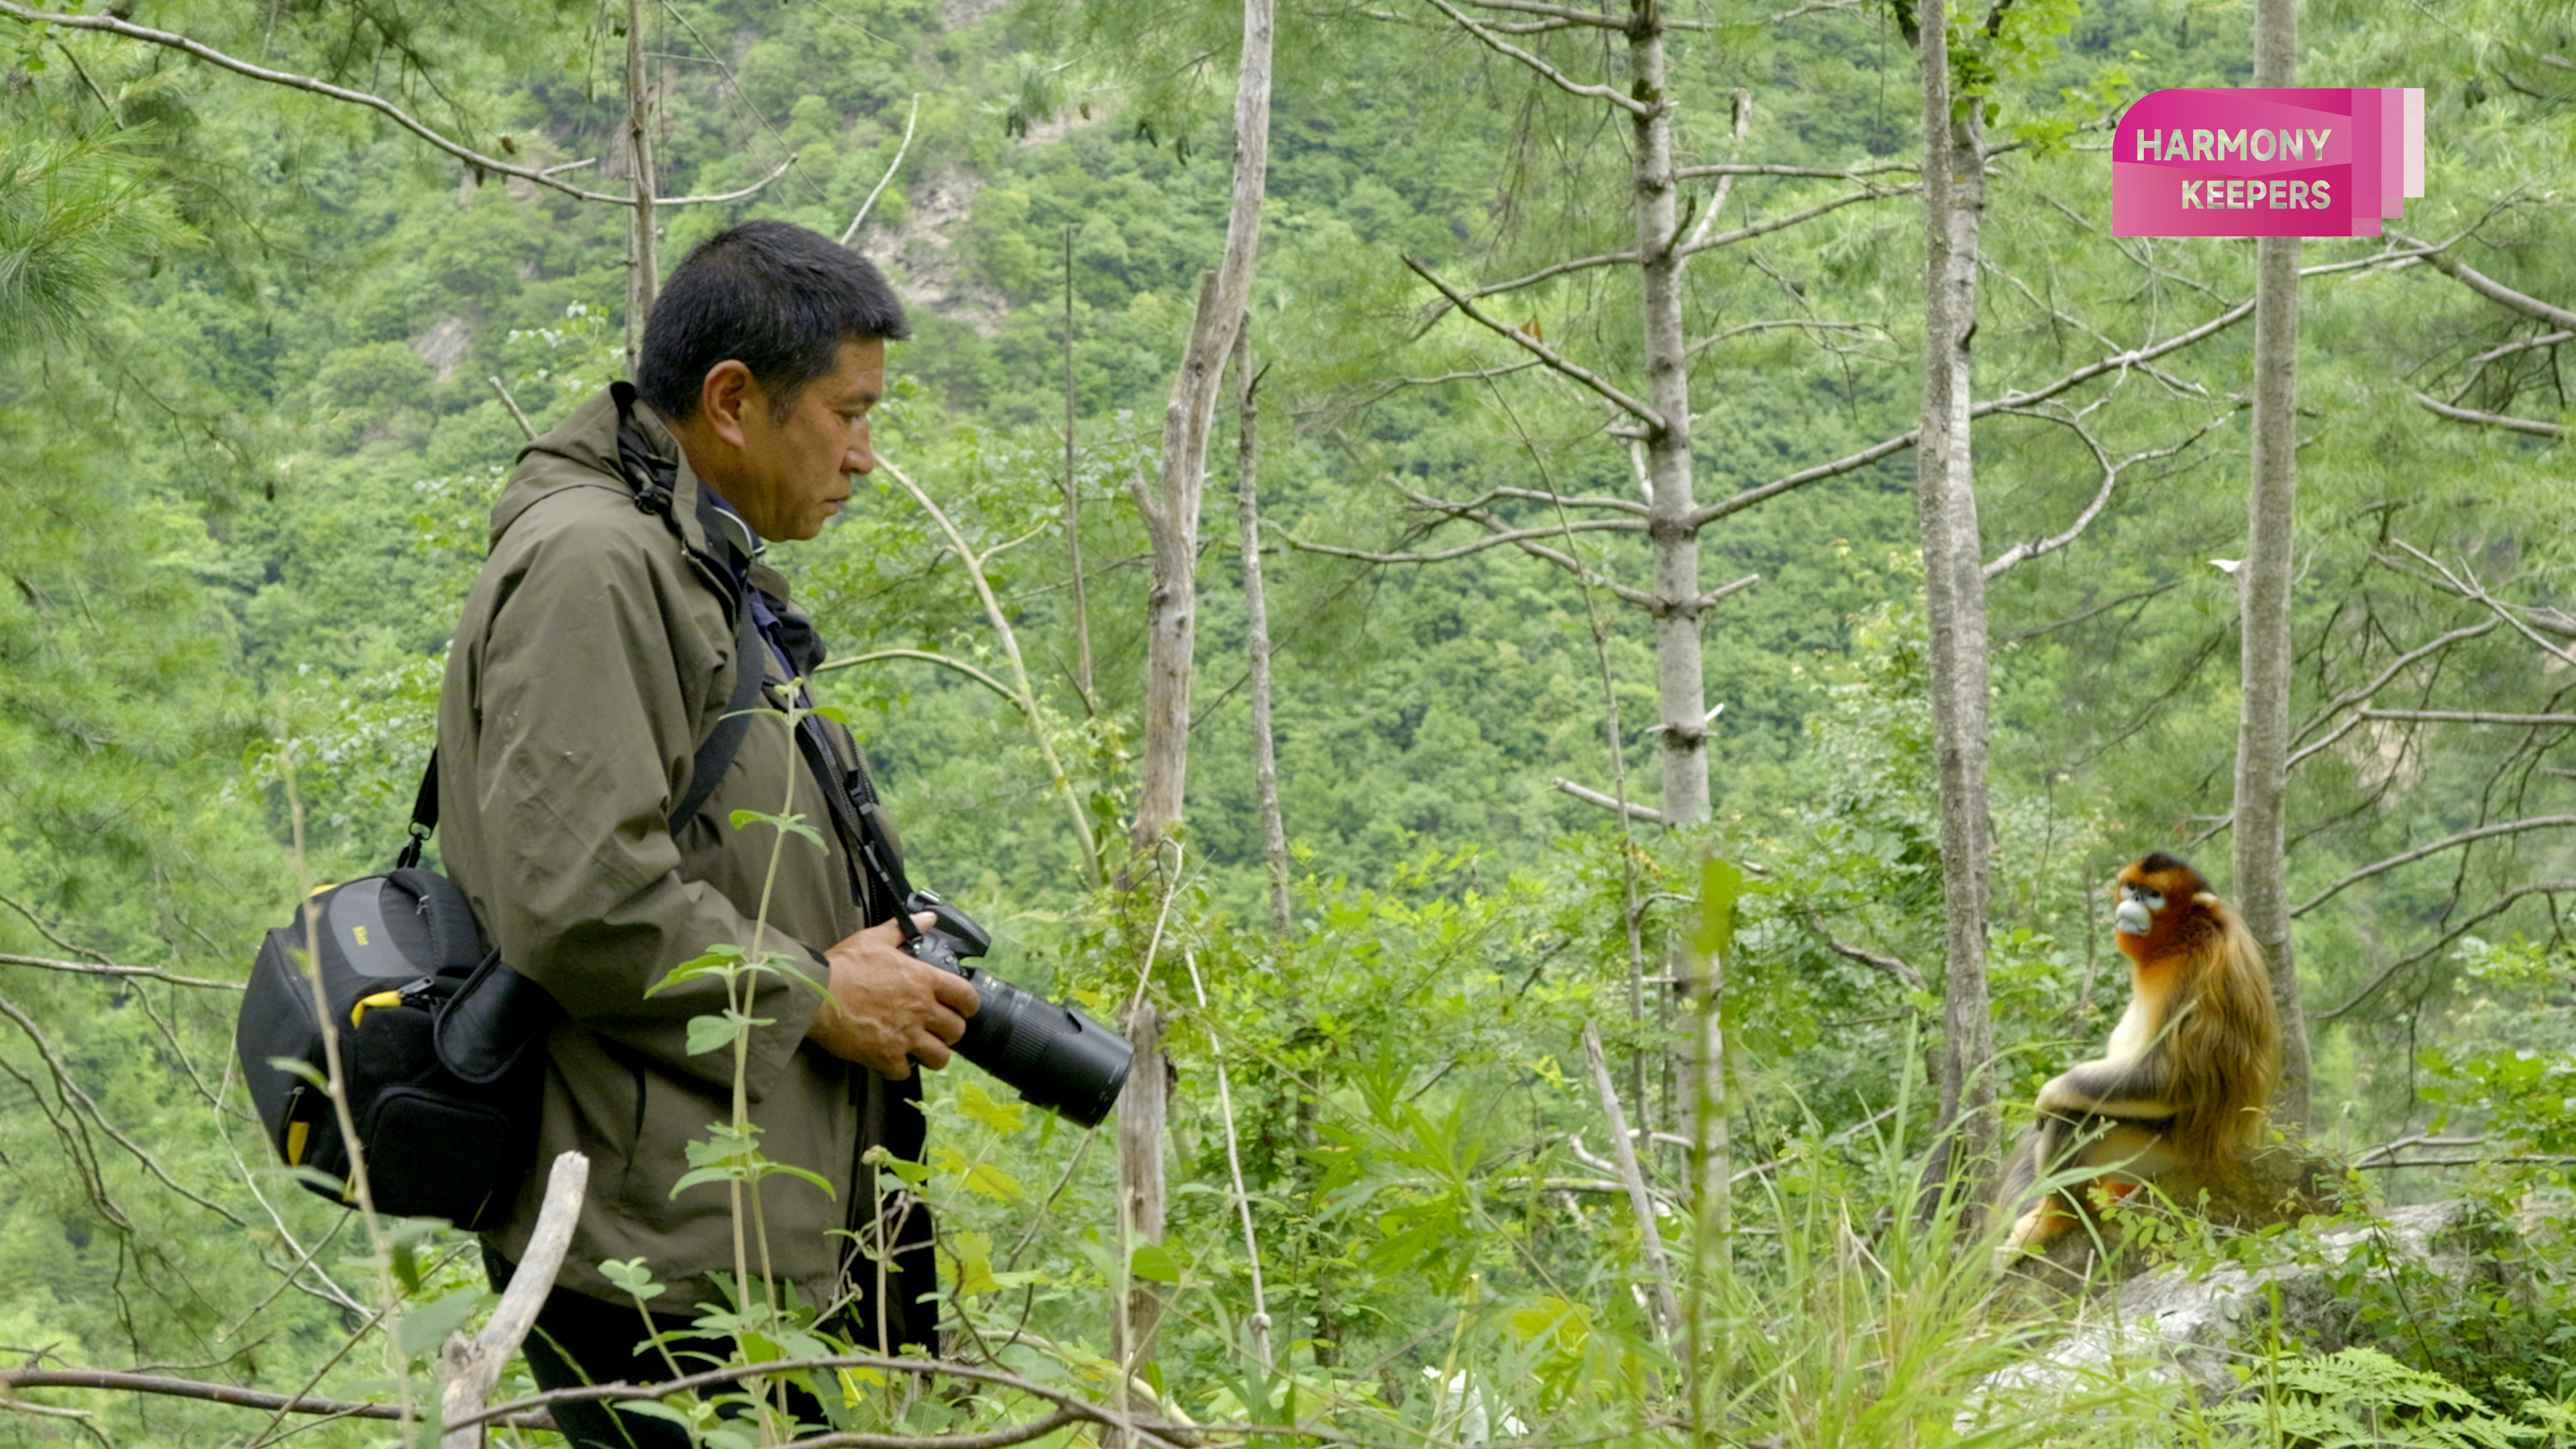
[{"x": 2308, "y": 162}]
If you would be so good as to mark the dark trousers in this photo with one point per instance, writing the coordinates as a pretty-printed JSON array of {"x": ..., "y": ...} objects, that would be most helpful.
[{"x": 580, "y": 1340}]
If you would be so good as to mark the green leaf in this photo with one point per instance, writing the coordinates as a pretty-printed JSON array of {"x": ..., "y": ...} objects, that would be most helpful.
[
  {"x": 1720, "y": 884},
  {"x": 792, "y": 824},
  {"x": 1154, "y": 1263},
  {"x": 718, "y": 960},
  {"x": 715, "y": 1033},
  {"x": 656, "y": 1409},
  {"x": 633, "y": 1277},
  {"x": 705, "y": 1175},
  {"x": 303, "y": 1071},
  {"x": 774, "y": 1169},
  {"x": 425, "y": 1328},
  {"x": 1003, "y": 1117}
]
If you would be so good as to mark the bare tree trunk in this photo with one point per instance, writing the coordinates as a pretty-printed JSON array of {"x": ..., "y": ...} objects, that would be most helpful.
[
  {"x": 1172, "y": 520},
  {"x": 1073, "y": 505},
  {"x": 1679, "y": 688},
  {"x": 1954, "y": 593},
  {"x": 1143, "y": 1110},
  {"x": 1712, "y": 1161},
  {"x": 470, "y": 1367},
  {"x": 1171, "y": 618},
  {"x": 643, "y": 271},
  {"x": 1256, "y": 629},
  {"x": 2263, "y": 730}
]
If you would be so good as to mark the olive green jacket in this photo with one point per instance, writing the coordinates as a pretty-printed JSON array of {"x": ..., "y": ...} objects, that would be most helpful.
[{"x": 592, "y": 660}]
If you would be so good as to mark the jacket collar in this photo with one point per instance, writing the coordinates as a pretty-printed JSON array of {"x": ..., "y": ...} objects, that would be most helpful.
[{"x": 587, "y": 441}]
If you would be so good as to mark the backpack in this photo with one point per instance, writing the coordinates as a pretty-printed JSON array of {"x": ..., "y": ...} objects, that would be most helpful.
[{"x": 439, "y": 1040}]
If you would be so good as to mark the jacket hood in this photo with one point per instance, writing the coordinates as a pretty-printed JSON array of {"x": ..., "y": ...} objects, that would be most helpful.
[{"x": 581, "y": 452}]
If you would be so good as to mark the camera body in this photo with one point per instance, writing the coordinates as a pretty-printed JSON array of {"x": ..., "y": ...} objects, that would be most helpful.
[{"x": 1050, "y": 1053}]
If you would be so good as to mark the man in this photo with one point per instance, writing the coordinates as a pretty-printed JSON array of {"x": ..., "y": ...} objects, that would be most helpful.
[{"x": 595, "y": 659}]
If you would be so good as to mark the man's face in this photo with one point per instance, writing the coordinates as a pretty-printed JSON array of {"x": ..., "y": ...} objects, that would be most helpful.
[{"x": 795, "y": 470}]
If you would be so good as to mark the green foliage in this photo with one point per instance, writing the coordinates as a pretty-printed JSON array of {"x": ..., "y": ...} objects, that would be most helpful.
[
  {"x": 72, "y": 214},
  {"x": 2362, "y": 1396}
]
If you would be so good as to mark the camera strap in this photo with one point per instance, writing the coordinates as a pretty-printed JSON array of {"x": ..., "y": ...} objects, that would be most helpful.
[{"x": 877, "y": 880}]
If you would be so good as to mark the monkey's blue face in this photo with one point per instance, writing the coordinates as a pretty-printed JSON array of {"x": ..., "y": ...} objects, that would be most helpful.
[{"x": 2138, "y": 907}]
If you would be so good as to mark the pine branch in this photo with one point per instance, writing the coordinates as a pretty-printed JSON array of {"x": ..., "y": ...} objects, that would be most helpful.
[{"x": 544, "y": 176}]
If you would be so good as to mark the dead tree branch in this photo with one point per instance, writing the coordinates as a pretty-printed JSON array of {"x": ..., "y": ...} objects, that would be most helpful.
[
  {"x": 501, "y": 390},
  {"x": 2469, "y": 588},
  {"x": 2469, "y": 716},
  {"x": 2465, "y": 837},
  {"x": 75, "y": 1096},
  {"x": 1591, "y": 796},
  {"x": 923, "y": 1368},
  {"x": 2351, "y": 697},
  {"x": 1743, "y": 126},
  {"x": 1837, "y": 173},
  {"x": 1026, "y": 694},
  {"x": 1547, "y": 356},
  {"x": 2478, "y": 365},
  {"x": 1894, "y": 966},
  {"x": 2135, "y": 357},
  {"x": 1668, "y": 1312},
  {"x": 1780, "y": 223},
  {"x": 1565, "y": 13},
  {"x": 1773, "y": 325},
  {"x": 142, "y": 973},
  {"x": 2491, "y": 289},
  {"x": 2531, "y": 426},
  {"x": 2494, "y": 909},
  {"x": 852, "y": 230},
  {"x": 14, "y": 1380},
  {"x": 471, "y": 1366},
  {"x": 944, "y": 661},
  {"x": 2024, "y": 552},
  {"x": 1547, "y": 72}
]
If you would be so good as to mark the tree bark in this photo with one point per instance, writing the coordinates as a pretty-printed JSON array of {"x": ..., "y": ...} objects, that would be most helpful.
[
  {"x": 1143, "y": 1109},
  {"x": 470, "y": 1367},
  {"x": 1256, "y": 630},
  {"x": 1172, "y": 520},
  {"x": 1954, "y": 596},
  {"x": 1171, "y": 617},
  {"x": 1712, "y": 1160},
  {"x": 2260, "y": 840},
  {"x": 643, "y": 271},
  {"x": 1073, "y": 506},
  {"x": 1679, "y": 686}
]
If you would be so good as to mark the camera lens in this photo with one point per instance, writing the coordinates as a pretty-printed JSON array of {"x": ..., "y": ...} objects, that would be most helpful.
[{"x": 1052, "y": 1054}]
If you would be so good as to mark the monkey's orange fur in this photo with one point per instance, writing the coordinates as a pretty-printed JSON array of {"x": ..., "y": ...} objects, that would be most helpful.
[{"x": 2189, "y": 1068}]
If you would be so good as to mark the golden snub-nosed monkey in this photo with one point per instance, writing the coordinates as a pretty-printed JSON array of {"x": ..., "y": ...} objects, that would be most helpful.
[{"x": 2189, "y": 1068}]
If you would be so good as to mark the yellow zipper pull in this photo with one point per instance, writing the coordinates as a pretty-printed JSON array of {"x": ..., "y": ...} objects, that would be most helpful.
[{"x": 381, "y": 998}]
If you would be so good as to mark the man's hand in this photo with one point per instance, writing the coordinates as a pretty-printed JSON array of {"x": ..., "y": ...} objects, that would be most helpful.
[{"x": 888, "y": 1010}]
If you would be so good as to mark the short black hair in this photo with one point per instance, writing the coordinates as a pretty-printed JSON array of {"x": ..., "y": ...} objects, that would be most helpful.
[{"x": 772, "y": 295}]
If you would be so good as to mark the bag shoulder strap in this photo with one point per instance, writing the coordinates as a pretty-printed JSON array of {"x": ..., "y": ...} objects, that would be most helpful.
[{"x": 715, "y": 757}]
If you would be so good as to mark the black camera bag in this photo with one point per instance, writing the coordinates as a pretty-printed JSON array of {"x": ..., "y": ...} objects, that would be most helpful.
[{"x": 435, "y": 1048}]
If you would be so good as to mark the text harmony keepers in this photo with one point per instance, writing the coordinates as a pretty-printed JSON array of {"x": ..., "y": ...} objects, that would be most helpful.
[{"x": 2242, "y": 195}]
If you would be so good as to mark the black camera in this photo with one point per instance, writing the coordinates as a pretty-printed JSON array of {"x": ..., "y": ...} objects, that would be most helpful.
[{"x": 1050, "y": 1053}]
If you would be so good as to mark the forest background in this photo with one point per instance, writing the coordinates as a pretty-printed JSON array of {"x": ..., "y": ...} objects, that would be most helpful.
[{"x": 252, "y": 414}]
